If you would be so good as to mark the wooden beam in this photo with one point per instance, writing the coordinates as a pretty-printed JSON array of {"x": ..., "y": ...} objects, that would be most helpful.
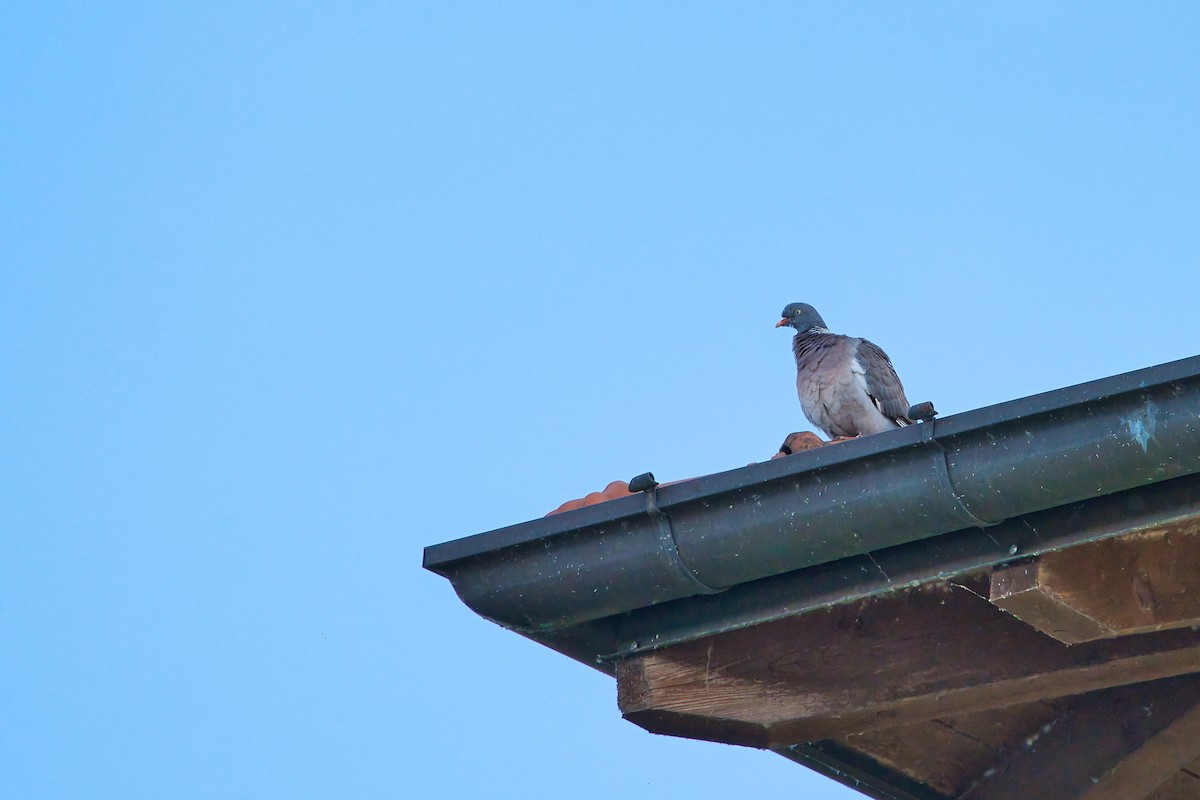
[
  {"x": 950, "y": 753},
  {"x": 1019, "y": 590},
  {"x": 1142, "y": 582},
  {"x": 1116, "y": 744},
  {"x": 874, "y": 664},
  {"x": 1183, "y": 785}
]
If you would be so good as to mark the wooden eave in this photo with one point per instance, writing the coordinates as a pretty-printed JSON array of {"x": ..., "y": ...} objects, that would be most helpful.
[{"x": 937, "y": 691}]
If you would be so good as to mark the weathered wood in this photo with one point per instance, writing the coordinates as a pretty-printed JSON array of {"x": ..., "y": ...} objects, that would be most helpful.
[
  {"x": 1116, "y": 744},
  {"x": 1142, "y": 582},
  {"x": 1019, "y": 590},
  {"x": 950, "y": 753},
  {"x": 929, "y": 752},
  {"x": 880, "y": 663},
  {"x": 1183, "y": 785},
  {"x": 1000, "y": 730}
]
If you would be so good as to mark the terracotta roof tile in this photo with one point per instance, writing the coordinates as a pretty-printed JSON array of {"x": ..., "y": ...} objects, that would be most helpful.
[
  {"x": 794, "y": 443},
  {"x": 611, "y": 492}
]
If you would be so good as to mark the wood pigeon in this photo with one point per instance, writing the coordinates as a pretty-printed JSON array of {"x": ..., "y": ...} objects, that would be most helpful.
[{"x": 847, "y": 386}]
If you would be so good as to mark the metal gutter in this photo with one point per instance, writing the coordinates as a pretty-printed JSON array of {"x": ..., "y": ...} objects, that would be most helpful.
[
  {"x": 548, "y": 577},
  {"x": 1173, "y": 504}
]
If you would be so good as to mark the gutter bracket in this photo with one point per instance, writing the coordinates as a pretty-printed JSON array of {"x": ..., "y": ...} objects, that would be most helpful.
[
  {"x": 666, "y": 535},
  {"x": 942, "y": 468}
]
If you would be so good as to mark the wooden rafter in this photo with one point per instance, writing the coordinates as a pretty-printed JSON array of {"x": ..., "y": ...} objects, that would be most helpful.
[
  {"x": 1114, "y": 587},
  {"x": 905, "y": 658},
  {"x": 1116, "y": 744}
]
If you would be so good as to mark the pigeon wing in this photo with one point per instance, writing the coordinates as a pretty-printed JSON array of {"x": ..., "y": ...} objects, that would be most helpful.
[{"x": 883, "y": 384}]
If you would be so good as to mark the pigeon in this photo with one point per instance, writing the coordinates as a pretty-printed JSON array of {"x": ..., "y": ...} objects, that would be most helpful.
[{"x": 847, "y": 386}]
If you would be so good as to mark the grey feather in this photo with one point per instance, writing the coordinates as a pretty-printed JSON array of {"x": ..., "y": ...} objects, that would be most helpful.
[{"x": 883, "y": 384}]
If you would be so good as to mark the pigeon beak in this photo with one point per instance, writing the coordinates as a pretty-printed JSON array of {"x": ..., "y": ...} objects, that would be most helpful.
[{"x": 781, "y": 322}]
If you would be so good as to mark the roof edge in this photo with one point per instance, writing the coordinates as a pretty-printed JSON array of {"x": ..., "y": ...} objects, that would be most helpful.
[{"x": 711, "y": 533}]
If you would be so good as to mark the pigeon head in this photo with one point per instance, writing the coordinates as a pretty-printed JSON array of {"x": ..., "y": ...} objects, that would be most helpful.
[{"x": 800, "y": 316}]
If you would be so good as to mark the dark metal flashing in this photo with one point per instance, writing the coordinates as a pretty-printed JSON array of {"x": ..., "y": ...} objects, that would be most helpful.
[
  {"x": 853, "y": 769},
  {"x": 971, "y": 484}
]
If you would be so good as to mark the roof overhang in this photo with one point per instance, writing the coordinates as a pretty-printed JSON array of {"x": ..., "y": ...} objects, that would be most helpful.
[
  {"x": 903, "y": 611},
  {"x": 841, "y": 522}
]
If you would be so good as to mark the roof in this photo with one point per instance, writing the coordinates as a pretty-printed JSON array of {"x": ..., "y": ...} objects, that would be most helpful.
[{"x": 899, "y": 525}]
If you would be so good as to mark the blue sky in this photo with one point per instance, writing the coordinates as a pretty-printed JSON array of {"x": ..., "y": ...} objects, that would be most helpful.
[{"x": 290, "y": 291}]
